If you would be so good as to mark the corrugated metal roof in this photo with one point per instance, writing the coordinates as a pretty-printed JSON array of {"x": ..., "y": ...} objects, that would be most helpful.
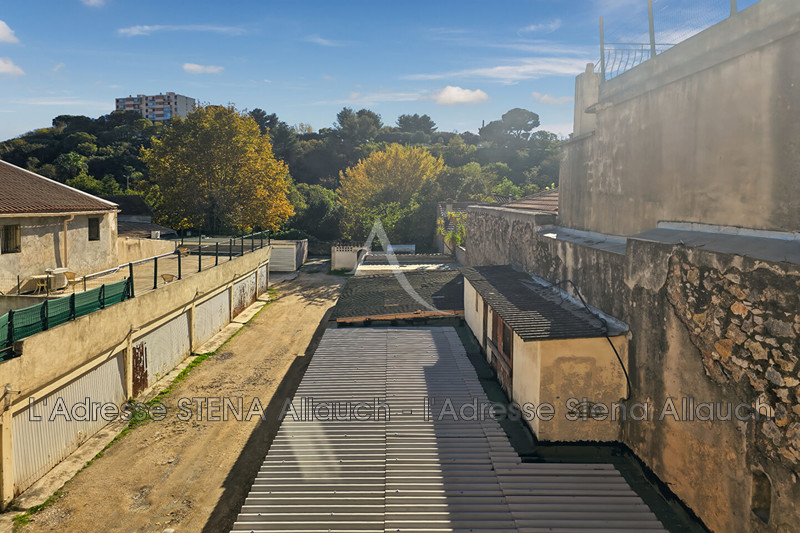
[
  {"x": 409, "y": 473},
  {"x": 531, "y": 311},
  {"x": 22, "y": 191}
]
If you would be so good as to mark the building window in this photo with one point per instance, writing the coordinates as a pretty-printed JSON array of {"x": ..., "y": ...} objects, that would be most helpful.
[
  {"x": 94, "y": 229},
  {"x": 10, "y": 240}
]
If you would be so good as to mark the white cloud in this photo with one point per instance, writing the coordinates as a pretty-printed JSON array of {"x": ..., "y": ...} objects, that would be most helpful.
[
  {"x": 456, "y": 95},
  {"x": 7, "y": 34},
  {"x": 58, "y": 67},
  {"x": 94, "y": 3},
  {"x": 194, "y": 68},
  {"x": 8, "y": 67},
  {"x": 133, "y": 31},
  {"x": 316, "y": 39},
  {"x": 551, "y": 100},
  {"x": 544, "y": 27},
  {"x": 526, "y": 69}
]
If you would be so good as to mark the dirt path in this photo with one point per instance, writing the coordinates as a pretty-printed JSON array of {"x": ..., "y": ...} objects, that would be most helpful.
[{"x": 193, "y": 475}]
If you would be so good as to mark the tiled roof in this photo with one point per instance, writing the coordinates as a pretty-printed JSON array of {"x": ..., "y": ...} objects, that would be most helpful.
[
  {"x": 532, "y": 311},
  {"x": 22, "y": 191},
  {"x": 130, "y": 204},
  {"x": 382, "y": 295},
  {"x": 140, "y": 229},
  {"x": 541, "y": 201}
]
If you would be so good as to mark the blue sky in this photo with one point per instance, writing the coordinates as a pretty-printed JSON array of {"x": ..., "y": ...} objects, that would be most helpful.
[{"x": 461, "y": 62}]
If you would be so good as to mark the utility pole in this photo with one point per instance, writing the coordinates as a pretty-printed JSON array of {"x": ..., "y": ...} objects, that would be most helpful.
[{"x": 652, "y": 29}]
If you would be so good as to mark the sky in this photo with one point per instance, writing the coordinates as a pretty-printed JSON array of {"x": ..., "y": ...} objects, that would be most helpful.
[{"x": 461, "y": 62}]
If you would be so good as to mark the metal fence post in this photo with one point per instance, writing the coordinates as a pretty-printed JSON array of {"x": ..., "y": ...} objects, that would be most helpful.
[
  {"x": 200, "y": 252},
  {"x": 230, "y": 249},
  {"x": 102, "y": 296},
  {"x": 252, "y": 242},
  {"x": 179, "y": 263},
  {"x": 652, "y": 29},
  {"x": 261, "y": 240},
  {"x": 242, "y": 245},
  {"x": 216, "y": 253},
  {"x": 43, "y": 314},
  {"x": 10, "y": 336},
  {"x": 131, "y": 293},
  {"x": 155, "y": 272},
  {"x": 602, "y": 50},
  {"x": 72, "y": 306}
]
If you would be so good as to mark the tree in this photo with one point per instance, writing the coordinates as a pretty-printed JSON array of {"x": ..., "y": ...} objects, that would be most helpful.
[
  {"x": 215, "y": 171},
  {"x": 71, "y": 165},
  {"x": 265, "y": 122},
  {"x": 414, "y": 123},
  {"x": 384, "y": 185},
  {"x": 515, "y": 125}
]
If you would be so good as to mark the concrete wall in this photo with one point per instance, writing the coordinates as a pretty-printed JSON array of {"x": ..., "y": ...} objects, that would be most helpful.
[
  {"x": 687, "y": 342},
  {"x": 345, "y": 257},
  {"x": 130, "y": 249},
  {"x": 705, "y": 132},
  {"x": 43, "y": 246},
  {"x": 153, "y": 332}
]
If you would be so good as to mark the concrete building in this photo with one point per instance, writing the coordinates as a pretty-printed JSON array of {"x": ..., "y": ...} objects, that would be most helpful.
[
  {"x": 46, "y": 224},
  {"x": 157, "y": 107},
  {"x": 679, "y": 214}
]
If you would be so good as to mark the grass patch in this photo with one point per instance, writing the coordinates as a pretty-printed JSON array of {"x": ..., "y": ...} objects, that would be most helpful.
[{"x": 23, "y": 519}]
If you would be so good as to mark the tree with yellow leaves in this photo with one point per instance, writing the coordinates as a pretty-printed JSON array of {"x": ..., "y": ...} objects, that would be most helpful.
[
  {"x": 217, "y": 172},
  {"x": 387, "y": 185}
]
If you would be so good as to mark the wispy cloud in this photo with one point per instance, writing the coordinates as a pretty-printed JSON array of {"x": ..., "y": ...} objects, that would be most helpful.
[
  {"x": 551, "y": 100},
  {"x": 63, "y": 101},
  {"x": 194, "y": 68},
  {"x": 7, "y": 34},
  {"x": 383, "y": 96},
  {"x": 525, "y": 69},
  {"x": 58, "y": 67},
  {"x": 316, "y": 39},
  {"x": 8, "y": 67},
  {"x": 543, "y": 27},
  {"x": 94, "y": 3},
  {"x": 456, "y": 95},
  {"x": 134, "y": 31}
]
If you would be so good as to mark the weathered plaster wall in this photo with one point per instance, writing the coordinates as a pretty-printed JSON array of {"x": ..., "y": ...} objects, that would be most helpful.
[
  {"x": 42, "y": 245},
  {"x": 686, "y": 313},
  {"x": 130, "y": 249},
  {"x": 705, "y": 132}
]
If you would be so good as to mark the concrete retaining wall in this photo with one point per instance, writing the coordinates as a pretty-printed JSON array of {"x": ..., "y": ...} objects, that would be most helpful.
[
  {"x": 111, "y": 355},
  {"x": 130, "y": 249}
]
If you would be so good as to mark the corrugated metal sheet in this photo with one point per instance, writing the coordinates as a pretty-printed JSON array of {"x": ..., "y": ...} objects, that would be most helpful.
[
  {"x": 40, "y": 445},
  {"x": 244, "y": 293},
  {"x": 210, "y": 316},
  {"x": 165, "y": 346},
  {"x": 409, "y": 473},
  {"x": 263, "y": 278},
  {"x": 288, "y": 256}
]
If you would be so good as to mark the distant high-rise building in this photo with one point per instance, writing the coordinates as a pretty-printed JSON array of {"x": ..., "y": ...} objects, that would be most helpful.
[{"x": 159, "y": 106}]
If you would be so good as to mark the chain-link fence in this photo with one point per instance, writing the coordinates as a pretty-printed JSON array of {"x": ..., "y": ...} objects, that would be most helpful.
[{"x": 642, "y": 29}]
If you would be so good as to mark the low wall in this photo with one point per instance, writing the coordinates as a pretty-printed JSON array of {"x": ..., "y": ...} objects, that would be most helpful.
[
  {"x": 705, "y": 327},
  {"x": 287, "y": 255},
  {"x": 130, "y": 249},
  {"x": 111, "y": 355}
]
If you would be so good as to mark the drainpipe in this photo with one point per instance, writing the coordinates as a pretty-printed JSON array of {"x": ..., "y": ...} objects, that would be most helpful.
[{"x": 66, "y": 250}]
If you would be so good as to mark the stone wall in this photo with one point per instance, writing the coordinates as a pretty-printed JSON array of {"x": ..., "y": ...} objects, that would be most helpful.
[{"x": 714, "y": 327}]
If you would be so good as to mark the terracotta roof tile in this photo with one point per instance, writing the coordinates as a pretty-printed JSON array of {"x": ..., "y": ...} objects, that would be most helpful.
[{"x": 22, "y": 191}]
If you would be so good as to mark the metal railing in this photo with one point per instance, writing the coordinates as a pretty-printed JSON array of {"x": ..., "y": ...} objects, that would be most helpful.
[
  {"x": 100, "y": 289},
  {"x": 667, "y": 21}
]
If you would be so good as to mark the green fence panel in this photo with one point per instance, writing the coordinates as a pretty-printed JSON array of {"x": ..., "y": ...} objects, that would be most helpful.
[
  {"x": 116, "y": 292},
  {"x": 58, "y": 311},
  {"x": 87, "y": 302},
  {"x": 28, "y": 321},
  {"x": 4, "y": 337}
]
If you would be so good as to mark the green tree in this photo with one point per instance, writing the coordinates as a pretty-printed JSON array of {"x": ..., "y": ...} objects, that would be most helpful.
[
  {"x": 216, "y": 171},
  {"x": 416, "y": 123},
  {"x": 385, "y": 185}
]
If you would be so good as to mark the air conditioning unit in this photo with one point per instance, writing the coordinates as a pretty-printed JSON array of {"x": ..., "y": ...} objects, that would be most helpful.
[{"x": 155, "y": 234}]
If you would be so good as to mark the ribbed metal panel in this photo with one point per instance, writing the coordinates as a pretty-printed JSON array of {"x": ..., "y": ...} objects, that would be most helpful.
[
  {"x": 40, "y": 445},
  {"x": 409, "y": 473},
  {"x": 210, "y": 316},
  {"x": 244, "y": 293},
  {"x": 283, "y": 258},
  {"x": 165, "y": 347}
]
